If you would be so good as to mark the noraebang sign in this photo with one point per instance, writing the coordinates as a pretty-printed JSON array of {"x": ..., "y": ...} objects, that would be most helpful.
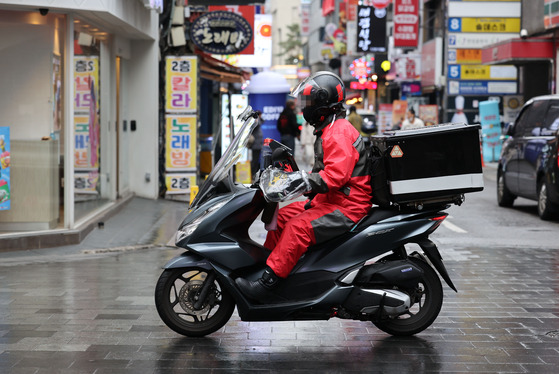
[{"x": 221, "y": 32}]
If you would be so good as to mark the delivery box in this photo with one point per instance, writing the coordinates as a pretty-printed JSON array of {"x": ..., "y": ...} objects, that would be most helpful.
[{"x": 430, "y": 164}]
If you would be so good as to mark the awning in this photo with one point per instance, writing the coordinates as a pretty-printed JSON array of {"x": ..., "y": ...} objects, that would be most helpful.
[
  {"x": 220, "y": 71},
  {"x": 518, "y": 51}
]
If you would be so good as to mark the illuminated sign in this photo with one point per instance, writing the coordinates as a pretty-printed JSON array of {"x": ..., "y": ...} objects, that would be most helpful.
[{"x": 367, "y": 85}]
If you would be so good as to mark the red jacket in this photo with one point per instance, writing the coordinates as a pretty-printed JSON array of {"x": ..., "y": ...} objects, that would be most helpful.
[{"x": 340, "y": 175}]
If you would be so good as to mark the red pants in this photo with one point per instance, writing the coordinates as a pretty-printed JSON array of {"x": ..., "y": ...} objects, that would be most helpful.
[{"x": 298, "y": 229}]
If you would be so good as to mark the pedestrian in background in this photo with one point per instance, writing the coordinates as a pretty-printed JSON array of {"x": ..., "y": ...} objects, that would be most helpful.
[
  {"x": 411, "y": 121},
  {"x": 355, "y": 119},
  {"x": 287, "y": 125}
]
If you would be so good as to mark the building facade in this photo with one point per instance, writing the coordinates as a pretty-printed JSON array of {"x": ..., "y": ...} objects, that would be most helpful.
[{"x": 79, "y": 110}]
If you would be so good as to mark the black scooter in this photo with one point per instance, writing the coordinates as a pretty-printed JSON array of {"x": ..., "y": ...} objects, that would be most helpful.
[{"x": 365, "y": 274}]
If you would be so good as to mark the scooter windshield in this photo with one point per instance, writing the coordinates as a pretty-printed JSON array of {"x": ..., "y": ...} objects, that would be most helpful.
[{"x": 245, "y": 123}]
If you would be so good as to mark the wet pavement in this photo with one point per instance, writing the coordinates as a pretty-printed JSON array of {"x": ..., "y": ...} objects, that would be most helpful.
[{"x": 90, "y": 309}]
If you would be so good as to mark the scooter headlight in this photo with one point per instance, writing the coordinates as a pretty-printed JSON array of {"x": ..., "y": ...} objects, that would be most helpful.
[{"x": 185, "y": 231}]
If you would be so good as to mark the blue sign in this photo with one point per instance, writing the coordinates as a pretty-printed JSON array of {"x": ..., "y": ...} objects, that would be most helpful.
[
  {"x": 456, "y": 87},
  {"x": 454, "y": 71},
  {"x": 271, "y": 105},
  {"x": 455, "y": 24},
  {"x": 490, "y": 130}
]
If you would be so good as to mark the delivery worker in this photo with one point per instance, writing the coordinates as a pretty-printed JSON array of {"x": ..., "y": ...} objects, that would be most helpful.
[{"x": 339, "y": 183}]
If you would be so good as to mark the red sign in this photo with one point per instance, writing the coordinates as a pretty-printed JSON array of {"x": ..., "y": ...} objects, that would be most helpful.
[
  {"x": 245, "y": 11},
  {"x": 380, "y": 4},
  {"x": 368, "y": 85},
  {"x": 406, "y": 21},
  {"x": 328, "y": 6}
]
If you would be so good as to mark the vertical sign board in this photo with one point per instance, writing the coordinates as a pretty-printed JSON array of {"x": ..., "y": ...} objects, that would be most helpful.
[
  {"x": 491, "y": 130},
  {"x": 181, "y": 124},
  {"x": 406, "y": 23},
  {"x": 5, "y": 183},
  {"x": 87, "y": 130},
  {"x": 371, "y": 29}
]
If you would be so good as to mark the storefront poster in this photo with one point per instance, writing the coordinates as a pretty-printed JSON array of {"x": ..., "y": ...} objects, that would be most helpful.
[
  {"x": 429, "y": 114},
  {"x": 179, "y": 183},
  {"x": 5, "y": 183},
  {"x": 181, "y": 83},
  {"x": 82, "y": 146},
  {"x": 86, "y": 71},
  {"x": 399, "y": 109},
  {"x": 384, "y": 121},
  {"x": 86, "y": 182},
  {"x": 181, "y": 152}
]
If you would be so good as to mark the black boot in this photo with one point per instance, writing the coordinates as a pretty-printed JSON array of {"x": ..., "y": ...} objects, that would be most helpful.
[{"x": 259, "y": 290}]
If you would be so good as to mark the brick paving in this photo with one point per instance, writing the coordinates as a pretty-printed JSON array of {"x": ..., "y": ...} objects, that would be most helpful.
[{"x": 87, "y": 310}]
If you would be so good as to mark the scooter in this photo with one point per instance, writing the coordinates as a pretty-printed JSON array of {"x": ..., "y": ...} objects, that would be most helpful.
[{"x": 365, "y": 274}]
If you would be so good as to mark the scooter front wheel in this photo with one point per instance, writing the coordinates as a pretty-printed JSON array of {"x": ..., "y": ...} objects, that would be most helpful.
[
  {"x": 177, "y": 301},
  {"x": 427, "y": 300}
]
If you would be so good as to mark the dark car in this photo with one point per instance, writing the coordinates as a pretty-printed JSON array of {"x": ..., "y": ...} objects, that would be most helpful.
[
  {"x": 369, "y": 125},
  {"x": 528, "y": 166}
]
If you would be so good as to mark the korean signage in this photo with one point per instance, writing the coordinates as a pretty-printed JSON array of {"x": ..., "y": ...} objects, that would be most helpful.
[
  {"x": 406, "y": 21},
  {"x": 476, "y": 40},
  {"x": 179, "y": 183},
  {"x": 5, "y": 183},
  {"x": 371, "y": 29},
  {"x": 464, "y": 56},
  {"x": 86, "y": 71},
  {"x": 463, "y": 87},
  {"x": 87, "y": 128},
  {"x": 470, "y": 24},
  {"x": 181, "y": 84},
  {"x": 482, "y": 72},
  {"x": 180, "y": 135},
  {"x": 227, "y": 31}
]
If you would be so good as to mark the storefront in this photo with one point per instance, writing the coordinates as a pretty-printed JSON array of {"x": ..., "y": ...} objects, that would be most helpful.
[{"x": 79, "y": 98}]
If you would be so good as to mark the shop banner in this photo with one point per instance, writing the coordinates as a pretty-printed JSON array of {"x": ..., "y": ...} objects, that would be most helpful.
[
  {"x": 181, "y": 151},
  {"x": 181, "y": 84},
  {"x": 399, "y": 109},
  {"x": 86, "y": 72},
  {"x": 5, "y": 183},
  {"x": 179, "y": 183},
  {"x": 406, "y": 23},
  {"x": 491, "y": 130}
]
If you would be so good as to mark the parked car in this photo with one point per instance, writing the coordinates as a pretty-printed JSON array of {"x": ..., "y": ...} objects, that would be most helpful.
[
  {"x": 369, "y": 125},
  {"x": 529, "y": 163}
]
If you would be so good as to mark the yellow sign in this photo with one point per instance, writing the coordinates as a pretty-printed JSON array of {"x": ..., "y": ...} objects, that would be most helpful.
[
  {"x": 182, "y": 183},
  {"x": 180, "y": 142},
  {"x": 242, "y": 172},
  {"x": 507, "y": 25},
  {"x": 181, "y": 83},
  {"x": 487, "y": 72}
]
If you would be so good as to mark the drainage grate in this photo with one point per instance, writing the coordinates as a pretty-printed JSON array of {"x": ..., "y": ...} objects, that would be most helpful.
[{"x": 553, "y": 334}]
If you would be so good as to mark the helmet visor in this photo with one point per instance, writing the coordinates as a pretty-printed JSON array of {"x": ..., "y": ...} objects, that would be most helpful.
[{"x": 303, "y": 93}]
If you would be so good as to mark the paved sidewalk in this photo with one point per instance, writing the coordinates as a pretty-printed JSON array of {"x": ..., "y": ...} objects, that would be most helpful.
[{"x": 141, "y": 223}]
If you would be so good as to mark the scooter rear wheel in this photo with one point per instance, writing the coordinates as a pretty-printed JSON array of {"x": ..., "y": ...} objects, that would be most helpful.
[
  {"x": 427, "y": 300},
  {"x": 176, "y": 294}
]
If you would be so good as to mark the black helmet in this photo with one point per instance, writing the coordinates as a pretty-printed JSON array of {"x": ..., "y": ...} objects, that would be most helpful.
[{"x": 320, "y": 95}]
